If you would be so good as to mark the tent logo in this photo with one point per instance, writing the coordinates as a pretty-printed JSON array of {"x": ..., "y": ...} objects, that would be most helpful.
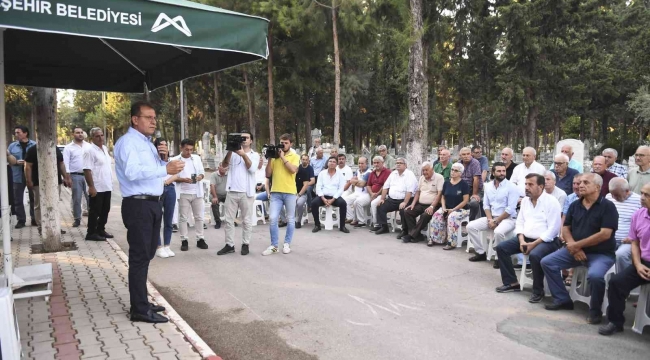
[{"x": 164, "y": 21}]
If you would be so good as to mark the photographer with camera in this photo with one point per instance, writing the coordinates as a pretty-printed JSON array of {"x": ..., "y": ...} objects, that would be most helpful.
[
  {"x": 240, "y": 187},
  {"x": 191, "y": 194},
  {"x": 282, "y": 168}
]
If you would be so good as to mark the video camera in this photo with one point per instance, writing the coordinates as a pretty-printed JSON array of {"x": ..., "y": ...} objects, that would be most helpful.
[
  {"x": 233, "y": 142},
  {"x": 271, "y": 151}
]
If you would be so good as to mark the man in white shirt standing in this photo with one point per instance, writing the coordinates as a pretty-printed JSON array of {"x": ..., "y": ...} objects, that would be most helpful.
[
  {"x": 529, "y": 166},
  {"x": 191, "y": 194},
  {"x": 98, "y": 175},
  {"x": 329, "y": 189},
  {"x": 397, "y": 193},
  {"x": 553, "y": 190},
  {"x": 537, "y": 229},
  {"x": 627, "y": 203},
  {"x": 73, "y": 158},
  {"x": 240, "y": 192}
]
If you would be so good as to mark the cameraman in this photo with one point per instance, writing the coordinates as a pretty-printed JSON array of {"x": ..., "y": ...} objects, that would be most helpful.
[
  {"x": 240, "y": 188},
  {"x": 282, "y": 171}
]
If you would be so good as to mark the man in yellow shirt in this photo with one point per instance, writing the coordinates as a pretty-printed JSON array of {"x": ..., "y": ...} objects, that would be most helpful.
[{"x": 282, "y": 171}]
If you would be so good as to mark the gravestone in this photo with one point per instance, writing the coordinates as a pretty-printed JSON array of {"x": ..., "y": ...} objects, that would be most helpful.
[{"x": 578, "y": 147}]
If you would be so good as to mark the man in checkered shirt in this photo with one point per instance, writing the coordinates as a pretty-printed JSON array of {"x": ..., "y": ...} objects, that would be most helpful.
[{"x": 612, "y": 166}]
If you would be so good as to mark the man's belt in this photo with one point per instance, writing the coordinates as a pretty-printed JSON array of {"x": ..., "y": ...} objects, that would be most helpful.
[
  {"x": 144, "y": 197},
  {"x": 77, "y": 173},
  {"x": 172, "y": 184}
]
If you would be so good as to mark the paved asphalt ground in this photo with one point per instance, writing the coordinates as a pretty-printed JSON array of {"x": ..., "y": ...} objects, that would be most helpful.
[{"x": 362, "y": 296}]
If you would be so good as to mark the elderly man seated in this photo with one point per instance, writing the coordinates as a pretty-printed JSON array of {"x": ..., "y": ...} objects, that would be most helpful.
[
  {"x": 588, "y": 231},
  {"x": 621, "y": 284},
  {"x": 537, "y": 230},
  {"x": 529, "y": 166},
  {"x": 472, "y": 176},
  {"x": 573, "y": 163},
  {"x": 500, "y": 205},
  {"x": 358, "y": 180},
  {"x": 553, "y": 190},
  {"x": 641, "y": 176},
  {"x": 600, "y": 168},
  {"x": 615, "y": 168},
  {"x": 396, "y": 195},
  {"x": 563, "y": 173},
  {"x": 425, "y": 203},
  {"x": 374, "y": 185},
  {"x": 627, "y": 203}
]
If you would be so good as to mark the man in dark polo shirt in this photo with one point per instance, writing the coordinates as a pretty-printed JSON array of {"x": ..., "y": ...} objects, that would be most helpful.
[{"x": 588, "y": 231}]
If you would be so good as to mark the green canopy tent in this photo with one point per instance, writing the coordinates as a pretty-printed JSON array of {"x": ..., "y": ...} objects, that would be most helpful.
[{"x": 119, "y": 46}]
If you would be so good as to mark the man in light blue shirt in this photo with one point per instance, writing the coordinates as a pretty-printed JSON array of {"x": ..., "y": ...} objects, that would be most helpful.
[
  {"x": 500, "y": 205},
  {"x": 19, "y": 149},
  {"x": 141, "y": 169},
  {"x": 329, "y": 188},
  {"x": 318, "y": 162}
]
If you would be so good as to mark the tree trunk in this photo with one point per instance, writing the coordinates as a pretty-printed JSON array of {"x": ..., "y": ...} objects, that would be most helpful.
[
  {"x": 531, "y": 120},
  {"x": 461, "y": 122},
  {"x": 185, "y": 118},
  {"x": 592, "y": 130},
  {"x": 45, "y": 103},
  {"x": 556, "y": 133},
  {"x": 250, "y": 96},
  {"x": 416, "y": 138},
  {"x": 337, "y": 78},
  {"x": 270, "y": 81},
  {"x": 307, "y": 121}
]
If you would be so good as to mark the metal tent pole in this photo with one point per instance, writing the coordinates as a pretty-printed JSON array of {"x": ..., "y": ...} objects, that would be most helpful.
[
  {"x": 4, "y": 191},
  {"x": 182, "y": 111}
]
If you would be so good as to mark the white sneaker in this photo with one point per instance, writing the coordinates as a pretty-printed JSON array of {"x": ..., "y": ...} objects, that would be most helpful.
[
  {"x": 286, "y": 249},
  {"x": 270, "y": 250},
  {"x": 169, "y": 251},
  {"x": 161, "y": 253}
]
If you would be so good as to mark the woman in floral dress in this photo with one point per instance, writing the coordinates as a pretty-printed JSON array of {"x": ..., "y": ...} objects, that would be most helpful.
[{"x": 447, "y": 220}]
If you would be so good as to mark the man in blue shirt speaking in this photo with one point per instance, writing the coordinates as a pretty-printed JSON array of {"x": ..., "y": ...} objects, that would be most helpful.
[{"x": 141, "y": 169}]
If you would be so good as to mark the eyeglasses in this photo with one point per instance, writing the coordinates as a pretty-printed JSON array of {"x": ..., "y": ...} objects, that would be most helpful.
[
  {"x": 150, "y": 118},
  {"x": 640, "y": 155},
  {"x": 399, "y": 163},
  {"x": 559, "y": 162},
  {"x": 455, "y": 170}
]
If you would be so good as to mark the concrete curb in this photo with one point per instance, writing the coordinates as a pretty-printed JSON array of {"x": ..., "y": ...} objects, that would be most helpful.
[{"x": 189, "y": 333}]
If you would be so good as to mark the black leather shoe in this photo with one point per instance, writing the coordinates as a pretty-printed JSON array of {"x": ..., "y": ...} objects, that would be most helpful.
[
  {"x": 149, "y": 317},
  {"x": 401, "y": 235},
  {"x": 344, "y": 230},
  {"x": 609, "y": 329},
  {"x": 374, "y": 228},
  {"x": 156, "y": 308},
  {"x": 282, "y": 224},
  {"x": 298, "y": 224},
  {"x": 226, "y": 250},
  {"x": 95, "y": 237},
  {"x": 359, "y": 225},
  {"x": 316, "y": 229},
  {"x": 406, "y": 239},
  {"x": 76, "y": 223},
  {"x": 382, "y": 230},
  {"x": 217, "y": 225},
  {"x": 34, "y": 223},
  {"x": 478, "y": 257},
  {"x": 201, "y": 244},
  {"x": 508, "y": 288},
  {"x": 495, "y": 265},
  {"x": 417, "y": 238},
  {"x": 106, "y": 235},
  {"x": 184, "y": 245},
  {"x": 563, "y": 306},
  {"x": 594, "y": 319},
  {"x": 244, "y": 249},
  {"x": 20, "y": 225},
  {"x": 535, "y": 298}
]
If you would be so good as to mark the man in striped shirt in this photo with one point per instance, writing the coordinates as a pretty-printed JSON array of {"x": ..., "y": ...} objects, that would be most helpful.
[
  {"x": 612, "y": 166},
  {"x": 627, "y": 203}
]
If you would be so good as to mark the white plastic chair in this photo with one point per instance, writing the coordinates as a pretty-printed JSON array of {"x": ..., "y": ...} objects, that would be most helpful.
[
  {"x": 582, "y": 292},
  {"x": 641, "y": 317},
  {"x": 305, "y": 215},
  {"x": 328, "y": 220},
  {"x": 393, "y": 221},
  {"x": 254, "y": 218},
  {"x": 526, "y": 280}
]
